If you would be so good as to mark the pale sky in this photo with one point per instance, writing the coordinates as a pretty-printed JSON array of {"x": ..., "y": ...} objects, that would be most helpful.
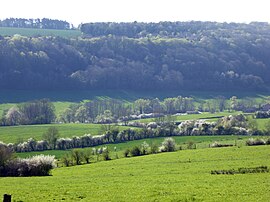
[{"x": 82, "y": 11}]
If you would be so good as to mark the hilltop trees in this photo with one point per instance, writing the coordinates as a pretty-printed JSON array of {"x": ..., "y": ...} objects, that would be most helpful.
[
  {"x": 44, "y": 23},
  {"x": 141, "y": 56}
]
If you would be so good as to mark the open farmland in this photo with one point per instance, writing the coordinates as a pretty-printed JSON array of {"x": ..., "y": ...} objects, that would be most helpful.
[
  {"x": 177, "y": 176},
  {"x": 30, "y": 32},
  {"x": 12, "y": 134}
]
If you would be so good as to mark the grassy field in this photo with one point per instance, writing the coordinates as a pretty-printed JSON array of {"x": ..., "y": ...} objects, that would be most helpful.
[
  {"x": 13, "y": 134},
  {"x": 176, "y": 176},
  {"x": 204, "y": 115},
  {"x": 10, "y": 31}
]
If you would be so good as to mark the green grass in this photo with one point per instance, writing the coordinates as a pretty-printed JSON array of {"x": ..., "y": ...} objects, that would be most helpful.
[
  {"x": 176, "y": 176},
  {"x": 10, "y": 31},
  {"x": 12, "y": 134},
  {"x": 262, "y": 122},
  {"x": 204, "y": 115}
]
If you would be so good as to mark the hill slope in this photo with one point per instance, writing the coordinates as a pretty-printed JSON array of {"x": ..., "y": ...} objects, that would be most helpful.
[
  {"x": 139, "y": 56},
  {"x": 177, "y": 176}
]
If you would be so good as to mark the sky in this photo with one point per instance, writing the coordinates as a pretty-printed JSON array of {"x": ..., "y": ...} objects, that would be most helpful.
[{"x": 82, "y": 11}]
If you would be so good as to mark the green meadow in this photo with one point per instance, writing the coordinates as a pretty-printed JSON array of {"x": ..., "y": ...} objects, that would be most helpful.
[
  {"x": 177, "y": 176},
  {"x": 10, "y": 31},
  {"x": 13, "y": 134}
]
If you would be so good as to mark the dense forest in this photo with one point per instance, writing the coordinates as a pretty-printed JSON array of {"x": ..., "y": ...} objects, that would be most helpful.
[
  {"x": 141, "y": 56},
  {"x": 43, "y": 23}
]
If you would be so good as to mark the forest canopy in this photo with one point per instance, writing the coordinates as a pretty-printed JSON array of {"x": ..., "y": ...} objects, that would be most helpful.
[{"x": 141, "y": 56}]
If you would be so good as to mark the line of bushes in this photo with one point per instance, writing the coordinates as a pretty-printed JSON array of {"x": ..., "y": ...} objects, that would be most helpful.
[
  {"x": 260, "y": 169},
  {"x": 78, "y": 157},
  {"x": 231, "y": 125}
]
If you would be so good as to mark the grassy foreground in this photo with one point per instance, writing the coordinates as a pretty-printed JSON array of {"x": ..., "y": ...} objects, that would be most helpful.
[{"x": 177, "y": 176}]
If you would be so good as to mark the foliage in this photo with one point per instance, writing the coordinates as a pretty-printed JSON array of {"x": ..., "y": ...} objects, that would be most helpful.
[
  {"x": 34, "y": 112},
  {"x": 51, "y": 136},
  {"x": 254, "y": 142},
  {"x": 168, "y": 145},
  {"x": 135, "y": 151},
  {"x": 141, "y": 56},
  {"x": 44, "y": 23},
  {"x": 77, "y": 156},
  {"x": 39, "y": 165}
]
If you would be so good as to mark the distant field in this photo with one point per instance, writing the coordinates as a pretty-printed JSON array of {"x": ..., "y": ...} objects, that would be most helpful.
[
  {"x": 176, "y": 176},
  {"x": 12, "y": 134},
  {"x": 204, "y": 115},
  {"x": 10, "y": 31}
]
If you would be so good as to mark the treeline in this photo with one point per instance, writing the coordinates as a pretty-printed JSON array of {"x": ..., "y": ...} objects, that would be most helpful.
[
  {"x": 114, "y": 110},
  {"x": 44, "y": 23},
  {"x": 165, "y": 56},
  {"x": 104, "y": 111},
  {"x": 34, "y": 112},
  {"x": 229, "y": 125}
]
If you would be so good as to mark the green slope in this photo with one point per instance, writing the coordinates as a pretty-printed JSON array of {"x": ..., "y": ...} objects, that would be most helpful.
[{"x": 177, "y": 176}]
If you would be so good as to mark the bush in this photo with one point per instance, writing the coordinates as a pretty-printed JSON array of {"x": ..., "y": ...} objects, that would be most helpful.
[
  {"x": 144, "y": 148},
  {"x": 253, "y": 142},
  {"x": 168, "y": 145},
  {"x": 39, "y": 165},
  {"x": 217, "y": 144},
  {"x": 126, "y": 153},
  {"x": 154, "y": 149},
  {"x": 135, "y": 151},
  {"x": 77, "y": 156},
  {"x": 105, "y": 155},
  {"x": 66, "y": 160}
]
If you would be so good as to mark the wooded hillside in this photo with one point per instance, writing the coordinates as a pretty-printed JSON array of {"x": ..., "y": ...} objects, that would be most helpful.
[{"x": 141, "y": 56}]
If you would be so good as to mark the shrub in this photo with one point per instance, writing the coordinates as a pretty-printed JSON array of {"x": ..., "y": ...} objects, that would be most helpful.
[
  {"x": 77, "y": 156},
  {"x": 154, "y": 149},
  {"x": 217, "y": 144},
  {"x": 126, "y": 153},
  {"x": 66, "y": 160},
  {"x": 253, "y": 142},
  {"x": 87, "y": 155},
  {"x": 168, "y": 145},
  {"x": 144, "y": 148},
  {"x": 105, "y": 154},
  {"x": 135, "y": 151},
  {"x": 191, "y": 145},
  {"x": 39, "y": 165}
]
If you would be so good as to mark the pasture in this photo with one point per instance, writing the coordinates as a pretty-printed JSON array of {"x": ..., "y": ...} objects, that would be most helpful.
[
  {"x": 30, "y": 32},
  {"x": 13, "y": 134},
  {"x": 176, "y": 176}
]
